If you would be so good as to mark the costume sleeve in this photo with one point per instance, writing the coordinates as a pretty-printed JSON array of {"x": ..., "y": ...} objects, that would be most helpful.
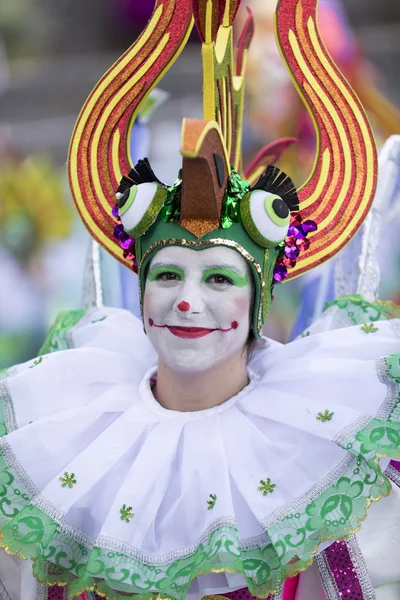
[
  {"x": 58, "y": 337},
  {"x": 348, "y": 311}
]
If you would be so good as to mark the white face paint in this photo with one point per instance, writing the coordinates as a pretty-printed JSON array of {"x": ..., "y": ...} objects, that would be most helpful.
[{"x": 197, "y": 306}]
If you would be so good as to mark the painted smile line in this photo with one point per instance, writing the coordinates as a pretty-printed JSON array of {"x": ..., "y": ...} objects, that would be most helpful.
[{"x": 191, "y": 332}]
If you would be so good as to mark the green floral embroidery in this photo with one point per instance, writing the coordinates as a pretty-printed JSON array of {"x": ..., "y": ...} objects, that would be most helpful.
[
  {"x": 211, "y": 502},
  {"x": 126, "y": 513},
  {"x": 393, "y": 367},
  {"x": 335, "y": 513},
  {"x": 266, "y": 487},
  {"x": 99, "y": 320},
  {"x": 380, "y": 438},
  {"x": 68, "y": 480},
  {"x": 291, "y": 540},
  {"x": 57, "y": 336},
  {"x": 357, "y": 309},
  {"x": 324, "y": 416},
  {"x": 369, "y": 328},
  {"x": 36, "y": 362}
]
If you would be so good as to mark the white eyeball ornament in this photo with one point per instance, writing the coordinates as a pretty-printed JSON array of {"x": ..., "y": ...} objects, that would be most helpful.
[
  {"x": 266, "y": 217},
  {"x": 139, "y": 207}
]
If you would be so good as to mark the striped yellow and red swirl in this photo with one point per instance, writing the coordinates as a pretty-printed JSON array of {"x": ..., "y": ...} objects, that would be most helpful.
[{"x": 341, "y": 188}]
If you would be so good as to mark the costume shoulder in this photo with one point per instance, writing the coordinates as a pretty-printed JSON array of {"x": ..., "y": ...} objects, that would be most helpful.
[
  {"x": 104, "y": 327},
  {"x": 86, "y": 351},
  {"x": 351, "y": 310}
]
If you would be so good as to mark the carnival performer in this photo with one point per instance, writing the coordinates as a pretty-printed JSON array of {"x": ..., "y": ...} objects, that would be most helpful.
[{"x": 196, "y": 457}]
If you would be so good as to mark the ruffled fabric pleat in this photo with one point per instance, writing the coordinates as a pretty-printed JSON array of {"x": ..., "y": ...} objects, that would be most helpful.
[{"x": 107, "y": 490}]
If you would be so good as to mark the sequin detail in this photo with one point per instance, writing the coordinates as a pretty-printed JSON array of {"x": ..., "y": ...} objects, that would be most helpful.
[
  {"x": 295, "y": 242},
  {"x": 266, "y": 487},
  {"x": 68, "y": 480},
  {"x": 127, "y": 513},
  {"x": 99, "y": 320},
  {"x": 359, "y": 564},
  {"x": 327, "y": 579},
  {"x": 54, "y": 593},
  {"x": 171, "y": 210},
  {"x": 343, "y": 572},
  {"x": 237, "y": 188},
  {"x": 369, "y": 328},
  {"x": 36, "y": 362},
  {"x": 244, "y": 594},
  {"x": 325, "y": 416},
  {"x": 211, "y": 502},
  {"x": 344, "y": 577},
  {"x": 305, "y": 334},
  {"x": 394, "y": 473}
]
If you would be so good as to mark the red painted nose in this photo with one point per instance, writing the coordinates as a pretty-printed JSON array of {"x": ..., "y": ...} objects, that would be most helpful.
[{"x": 183, "y": 306}]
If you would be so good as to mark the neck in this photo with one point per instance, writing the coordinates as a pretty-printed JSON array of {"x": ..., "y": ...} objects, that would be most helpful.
[{"x": 188, "y": 392}]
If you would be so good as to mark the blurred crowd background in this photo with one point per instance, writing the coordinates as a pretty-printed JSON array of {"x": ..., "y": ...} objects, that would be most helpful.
[{"x": 52, "y": 53}]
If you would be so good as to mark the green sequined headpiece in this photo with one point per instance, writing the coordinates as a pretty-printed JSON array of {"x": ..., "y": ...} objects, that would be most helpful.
[{"x": 153, "y": 216}]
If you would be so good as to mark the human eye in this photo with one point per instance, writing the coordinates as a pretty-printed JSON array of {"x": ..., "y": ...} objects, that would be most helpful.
[
  {"x": 223, "y": 278},
  {"x": 165, "y": 274},
  {"x": 219, "y": 280},
  {"x": 168, "y": 276}
]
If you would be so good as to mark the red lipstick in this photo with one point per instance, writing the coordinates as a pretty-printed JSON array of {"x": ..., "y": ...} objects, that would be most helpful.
[{"x": 191, "y": 332}]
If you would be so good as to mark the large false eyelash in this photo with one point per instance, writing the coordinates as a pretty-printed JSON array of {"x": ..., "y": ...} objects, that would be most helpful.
[
  {"x": 140, "y": 197},
  {"x": 277, "y": 182},
  {"x": 140, "y": 173},
  {"x": 143, "y": 173}
]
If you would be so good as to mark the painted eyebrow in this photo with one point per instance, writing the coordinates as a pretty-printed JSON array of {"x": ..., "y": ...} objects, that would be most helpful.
[
  {"x": 226, "y": 267},
  {"x": 237, "y": 278},
  {"x": 159, "y": 268},
  {"x": 159, "y": 265}
]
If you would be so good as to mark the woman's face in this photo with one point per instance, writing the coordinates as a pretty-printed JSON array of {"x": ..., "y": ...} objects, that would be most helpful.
[{"x": 197, "y": 306}]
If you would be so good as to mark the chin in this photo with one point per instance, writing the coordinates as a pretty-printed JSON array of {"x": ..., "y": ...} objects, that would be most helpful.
[{"x": 187, "y": 360}]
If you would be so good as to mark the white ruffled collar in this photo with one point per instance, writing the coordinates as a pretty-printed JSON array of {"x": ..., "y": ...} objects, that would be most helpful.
[{"x": 250, "y": 485}]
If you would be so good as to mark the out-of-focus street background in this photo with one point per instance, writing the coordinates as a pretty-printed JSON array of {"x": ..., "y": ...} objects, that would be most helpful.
[{"x": 52, "y": 53}]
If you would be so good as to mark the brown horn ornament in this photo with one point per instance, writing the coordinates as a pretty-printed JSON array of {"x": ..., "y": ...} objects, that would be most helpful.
[{"x": 205, "y": 173}]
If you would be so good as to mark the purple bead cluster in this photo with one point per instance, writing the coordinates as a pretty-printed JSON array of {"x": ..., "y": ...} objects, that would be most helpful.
[
  {"x": 295, "y": 242},
  {"x": 126, "y": 242}
]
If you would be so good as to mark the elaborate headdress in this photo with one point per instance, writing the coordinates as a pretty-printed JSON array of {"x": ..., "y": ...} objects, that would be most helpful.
[{"x": 257, "y": 211}]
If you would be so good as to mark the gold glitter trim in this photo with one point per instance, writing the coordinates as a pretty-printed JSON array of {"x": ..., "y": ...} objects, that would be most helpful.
[
  {"x": 204, "y": 244},
  {"x": 265, "y": 296},
  {"x": 251, "y": 227},
  {"x": 268, "y": 592},
  {"x": 150, "y": 214}
]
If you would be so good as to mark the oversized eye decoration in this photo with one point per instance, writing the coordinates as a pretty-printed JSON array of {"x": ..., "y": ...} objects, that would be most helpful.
[
  {"x": 265, "y": 217},
  {"x": 139, "y": 206}
]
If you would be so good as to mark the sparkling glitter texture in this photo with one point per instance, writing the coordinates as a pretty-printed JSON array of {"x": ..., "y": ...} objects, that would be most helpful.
[
  {"x": 55, "y": 593},
  {"x": 344, "y": 571},
  {"x": 243, "y": 594},
  {"x": 126, "y": 242},
  {"x": 295, "y": 242}
]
